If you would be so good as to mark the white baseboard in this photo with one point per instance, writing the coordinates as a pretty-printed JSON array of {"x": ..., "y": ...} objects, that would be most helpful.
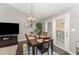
[{"x": 72, "y": 53}]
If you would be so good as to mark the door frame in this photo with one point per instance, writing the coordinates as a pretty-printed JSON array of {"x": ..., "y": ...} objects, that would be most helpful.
[
  {"x": 67, "y": 16},
  {"x": 67, "y": 31},
  {"x": 46, "y": 25}
]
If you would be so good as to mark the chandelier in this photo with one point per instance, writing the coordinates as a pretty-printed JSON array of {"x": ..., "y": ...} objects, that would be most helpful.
[{"x": 31, "y": 19}]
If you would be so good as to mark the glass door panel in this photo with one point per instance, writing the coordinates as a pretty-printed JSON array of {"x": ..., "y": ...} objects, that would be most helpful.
[{"x": 60, "y": 33}]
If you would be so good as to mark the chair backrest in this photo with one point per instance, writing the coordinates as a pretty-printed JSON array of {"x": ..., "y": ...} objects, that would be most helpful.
[
  {"x": 45, "y": 33},
  {"x": 32, "y": 33},
  {"x": 29, "y": 37},
  {"x": 26, "y": 37}
]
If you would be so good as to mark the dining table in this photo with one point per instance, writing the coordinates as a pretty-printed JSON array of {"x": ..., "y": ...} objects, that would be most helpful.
[{"x": 37, "y": 41}]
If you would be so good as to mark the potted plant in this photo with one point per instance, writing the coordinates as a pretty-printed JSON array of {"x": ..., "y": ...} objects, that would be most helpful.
[{"x": 38, "y": 29}]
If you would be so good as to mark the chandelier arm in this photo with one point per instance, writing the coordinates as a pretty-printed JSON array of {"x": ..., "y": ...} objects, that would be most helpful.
[{"x": 31, "y": 19}]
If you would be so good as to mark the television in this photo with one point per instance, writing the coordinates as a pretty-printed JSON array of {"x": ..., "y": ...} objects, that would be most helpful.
[{"x": 9, "y": 28}]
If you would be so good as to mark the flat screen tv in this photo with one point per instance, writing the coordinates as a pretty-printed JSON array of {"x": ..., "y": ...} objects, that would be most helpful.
[{"x": 9, "y": 28}]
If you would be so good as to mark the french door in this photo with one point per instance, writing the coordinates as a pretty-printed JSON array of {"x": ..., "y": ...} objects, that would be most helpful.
[{"x": 61, "y": 31}]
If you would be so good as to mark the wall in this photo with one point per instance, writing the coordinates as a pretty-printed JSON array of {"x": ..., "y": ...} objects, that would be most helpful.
[
  {"x": 74, "y": 19},
  {"x": 74, "y": 23},
  {"x": 12, "y": 15}
]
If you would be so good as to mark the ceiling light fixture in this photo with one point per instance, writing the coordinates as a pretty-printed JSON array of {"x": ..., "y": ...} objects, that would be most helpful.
[{"x": 31, "y": 19}]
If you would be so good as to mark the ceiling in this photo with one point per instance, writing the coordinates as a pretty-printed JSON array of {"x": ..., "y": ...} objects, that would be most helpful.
[{"x": 40, "y": 10}]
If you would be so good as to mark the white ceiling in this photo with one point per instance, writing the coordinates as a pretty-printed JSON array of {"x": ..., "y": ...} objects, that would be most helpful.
[{"x": 41, "y": 10}]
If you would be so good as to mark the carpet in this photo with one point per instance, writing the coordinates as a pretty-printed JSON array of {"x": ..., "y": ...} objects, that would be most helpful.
[{"x": 10, "y": 50}]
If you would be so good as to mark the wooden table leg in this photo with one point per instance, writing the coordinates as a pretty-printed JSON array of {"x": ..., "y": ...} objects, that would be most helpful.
[
  {"x": 33, "y": 50},
  {"x": 36, "y": 51},
  {"x": 51, "y": 47},
  {"x": 48, "y": 48}
]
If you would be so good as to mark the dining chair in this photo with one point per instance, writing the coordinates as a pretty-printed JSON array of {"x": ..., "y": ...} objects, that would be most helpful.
[
  {"x": 43, "y": 48},
  {"x": 32, "y": 33},
  {"x": 45, "y": 34},
  {"x": 28, "y": 44}
]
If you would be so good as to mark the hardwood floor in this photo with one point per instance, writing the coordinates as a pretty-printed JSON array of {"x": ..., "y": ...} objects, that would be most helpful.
[
  {"x": 60, "y": 51},
  {"x": 19, "y": 50}
]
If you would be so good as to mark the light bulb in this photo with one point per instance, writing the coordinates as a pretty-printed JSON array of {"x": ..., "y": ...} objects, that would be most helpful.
[{"x": 28, "y": 18}]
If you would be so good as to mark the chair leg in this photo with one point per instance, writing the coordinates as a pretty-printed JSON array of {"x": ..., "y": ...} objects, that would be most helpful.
[
  {"x": 48, "y": 49},
  {"x": 41, "y": 53},
  {"x": 48, "y": 52},
  {"x": 36, "y": 51},
  {"x": 28, "y": 51},
  {"x": 52, "y": 47}
]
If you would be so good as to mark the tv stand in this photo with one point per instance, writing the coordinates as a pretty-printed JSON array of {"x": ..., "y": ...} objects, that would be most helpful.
[{"x": 8, "y": 40}]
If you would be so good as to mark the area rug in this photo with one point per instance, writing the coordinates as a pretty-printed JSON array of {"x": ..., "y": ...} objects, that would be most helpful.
[{"x": 25, "y": 51}]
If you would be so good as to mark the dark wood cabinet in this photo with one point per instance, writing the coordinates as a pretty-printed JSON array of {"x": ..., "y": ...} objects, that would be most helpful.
[{"x": 8, "y": 40}]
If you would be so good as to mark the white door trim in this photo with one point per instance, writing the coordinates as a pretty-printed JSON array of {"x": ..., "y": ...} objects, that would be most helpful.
[
  {"x": 46, "y": 23},
  {"x": 67, "y": 31}
]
